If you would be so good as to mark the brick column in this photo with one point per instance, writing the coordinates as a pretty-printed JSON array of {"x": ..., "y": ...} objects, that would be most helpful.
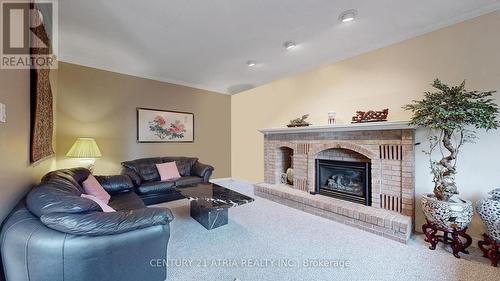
[{"x": 300, "y": 167}]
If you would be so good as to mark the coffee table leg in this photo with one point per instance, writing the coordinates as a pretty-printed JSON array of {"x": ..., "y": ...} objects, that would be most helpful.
[{"x": 209, "y": 218}]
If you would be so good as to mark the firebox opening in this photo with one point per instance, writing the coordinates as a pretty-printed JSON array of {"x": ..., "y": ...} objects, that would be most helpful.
[
  {"x": 285, "y": 165},
  {"x": 350, "y": 181}
]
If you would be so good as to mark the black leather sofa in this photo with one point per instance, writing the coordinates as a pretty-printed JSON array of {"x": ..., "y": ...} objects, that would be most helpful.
[
  {"x": 146, "y": 179},
  {"x": 57, "y": 235}
]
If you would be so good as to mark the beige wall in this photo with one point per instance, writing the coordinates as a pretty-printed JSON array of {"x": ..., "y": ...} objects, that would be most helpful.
[
  {"x": 102, "y": 105},
  {"x": 17, "y": 175},
  {"x": 385, "y": 78}
]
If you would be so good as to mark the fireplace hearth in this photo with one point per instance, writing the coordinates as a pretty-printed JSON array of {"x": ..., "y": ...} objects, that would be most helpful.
[{"x": 344, "y": 180}]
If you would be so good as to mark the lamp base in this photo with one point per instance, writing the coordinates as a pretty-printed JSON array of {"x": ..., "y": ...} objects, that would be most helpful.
[
  {"x": 88, "y": 163},
  {"x": 90, "y": 167}
]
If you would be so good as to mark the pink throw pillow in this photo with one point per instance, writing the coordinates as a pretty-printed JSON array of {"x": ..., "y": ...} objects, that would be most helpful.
[
  {"x": 105, "y": 208},
  {"x": 168, "y": 171},
  {"x": 94, "y": 188}
]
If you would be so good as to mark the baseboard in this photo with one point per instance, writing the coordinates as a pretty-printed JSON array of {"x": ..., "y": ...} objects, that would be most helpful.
[
  {"x": 232, "y": 179},
  {"x": 243, "y": 181},
  {"x": 221, "y": 179}
]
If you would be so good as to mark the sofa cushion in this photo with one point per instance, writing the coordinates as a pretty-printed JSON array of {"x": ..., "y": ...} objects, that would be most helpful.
[
  {"x": 132, "y": 175},
  {"x": 189, "y": 180},
  {"x": 155, "y": 187},
  {"x": 115, "y": 184},
  {"x": 126, "y": 201},
  {"x": 184, "y": 164},
  {"x": 145, "y": 168}
]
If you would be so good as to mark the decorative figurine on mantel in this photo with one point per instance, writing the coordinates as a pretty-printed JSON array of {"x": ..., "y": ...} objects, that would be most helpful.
[
  {"x": 299, "y": 122},
  {"x": 331, "y": 117},
  {"x": 458, "y": 110},
  {"x": 489, "y": 211},
  {"x": 370, "y": 116}
]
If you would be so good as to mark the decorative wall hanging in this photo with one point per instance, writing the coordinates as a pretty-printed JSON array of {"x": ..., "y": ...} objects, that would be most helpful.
[
  {"x": 42, "y": 116},
  {"x": 370, "y": 116},
  {"x": 154, "y": 125}
]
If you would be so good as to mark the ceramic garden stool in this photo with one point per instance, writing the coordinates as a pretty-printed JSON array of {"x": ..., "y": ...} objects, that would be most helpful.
[
  {"x": 492, "y": 249},
  {"x": 454, "y": 238}
]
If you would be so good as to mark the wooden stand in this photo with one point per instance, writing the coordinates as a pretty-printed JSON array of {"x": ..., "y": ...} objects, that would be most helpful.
[
  {"x": 457, "y": 244},
  {"x": 492, "y": 252}
]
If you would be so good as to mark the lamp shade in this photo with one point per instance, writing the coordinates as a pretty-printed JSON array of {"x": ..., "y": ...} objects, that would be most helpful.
[{"x": 84, "y": 148}]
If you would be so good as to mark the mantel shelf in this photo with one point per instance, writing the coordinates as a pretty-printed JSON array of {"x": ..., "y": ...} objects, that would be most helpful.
[{"x": 374, "y": 126}]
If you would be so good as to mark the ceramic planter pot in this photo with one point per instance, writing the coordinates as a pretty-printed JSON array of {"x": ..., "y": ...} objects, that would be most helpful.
[
  {"x": 489, "y": 210},
  {"x": 453, "y": 214}
]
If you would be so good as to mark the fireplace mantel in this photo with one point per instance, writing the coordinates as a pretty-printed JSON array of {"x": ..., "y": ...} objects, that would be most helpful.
[{"x": 374, "y": 126}]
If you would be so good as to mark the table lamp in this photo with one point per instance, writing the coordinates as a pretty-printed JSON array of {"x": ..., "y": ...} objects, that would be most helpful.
[{"x": 85, "y": 149}]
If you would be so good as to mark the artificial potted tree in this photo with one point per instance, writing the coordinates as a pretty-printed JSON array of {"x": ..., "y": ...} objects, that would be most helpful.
[{"x": 452, "y": 114}]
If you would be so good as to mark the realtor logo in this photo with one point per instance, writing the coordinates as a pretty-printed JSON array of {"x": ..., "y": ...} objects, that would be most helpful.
[{"x": 28, "y": 35}]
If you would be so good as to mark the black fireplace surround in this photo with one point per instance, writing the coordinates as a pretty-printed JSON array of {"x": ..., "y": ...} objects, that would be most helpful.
[{"x": 350, "y": 181}]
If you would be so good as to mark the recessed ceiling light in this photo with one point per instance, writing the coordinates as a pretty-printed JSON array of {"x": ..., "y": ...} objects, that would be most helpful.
[
  {"x": 348, "y": 15},
  {"x": 251, "y": 63},
  {"x": 289, "y": 45}
]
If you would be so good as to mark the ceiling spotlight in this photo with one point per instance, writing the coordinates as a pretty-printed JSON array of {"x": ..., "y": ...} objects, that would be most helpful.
[
  {"x": 348, "y": 15},
  {"x": 289, "y": 45},
  {"x": 251, "y": 63}
]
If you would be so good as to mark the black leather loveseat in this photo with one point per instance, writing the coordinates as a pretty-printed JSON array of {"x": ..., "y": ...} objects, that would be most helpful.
[
  {"x": 146, "y": 179},
  {"x": 56, "y": 235}
]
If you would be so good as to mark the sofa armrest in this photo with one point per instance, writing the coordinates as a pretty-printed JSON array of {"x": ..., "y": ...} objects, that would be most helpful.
[
  {"x": 100, "y": 223},
  {"x": 202, "y": 170},
  {"x": 134, "y": 177},
  {"x": 115, "y": 184}
]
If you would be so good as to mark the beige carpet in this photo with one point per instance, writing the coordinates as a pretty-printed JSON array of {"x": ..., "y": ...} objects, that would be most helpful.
[{"x": 268, "y": 241}]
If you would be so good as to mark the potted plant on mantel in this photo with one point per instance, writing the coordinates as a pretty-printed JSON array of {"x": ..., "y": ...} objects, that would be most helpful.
[{"x": 451, "y": 113}]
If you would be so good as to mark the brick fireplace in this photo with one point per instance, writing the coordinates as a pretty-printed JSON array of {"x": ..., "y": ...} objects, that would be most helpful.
[{"x": 387, "y": 148}]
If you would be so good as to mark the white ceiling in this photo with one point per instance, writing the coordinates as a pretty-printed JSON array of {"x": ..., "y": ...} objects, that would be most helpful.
[{"x": 206, "y": 43}]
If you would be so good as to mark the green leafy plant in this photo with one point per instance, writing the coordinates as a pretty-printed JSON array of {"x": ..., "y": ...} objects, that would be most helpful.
[{"x": 451, "y": 113}]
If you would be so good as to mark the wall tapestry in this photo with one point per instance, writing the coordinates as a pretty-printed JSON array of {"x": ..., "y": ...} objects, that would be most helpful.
[
  {"x": 154, "y": 125},
  {"x": 42, "y": 116}
]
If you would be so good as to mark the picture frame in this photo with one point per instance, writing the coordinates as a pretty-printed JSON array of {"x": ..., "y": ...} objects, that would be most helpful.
[{"x": 164, "y": 126}]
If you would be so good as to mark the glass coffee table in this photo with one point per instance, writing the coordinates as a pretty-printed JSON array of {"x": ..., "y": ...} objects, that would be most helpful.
[{"x": 210, "y": 203}]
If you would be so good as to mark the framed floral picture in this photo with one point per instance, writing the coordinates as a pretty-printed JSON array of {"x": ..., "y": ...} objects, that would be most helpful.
[{"x": 154, "y": 125}]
